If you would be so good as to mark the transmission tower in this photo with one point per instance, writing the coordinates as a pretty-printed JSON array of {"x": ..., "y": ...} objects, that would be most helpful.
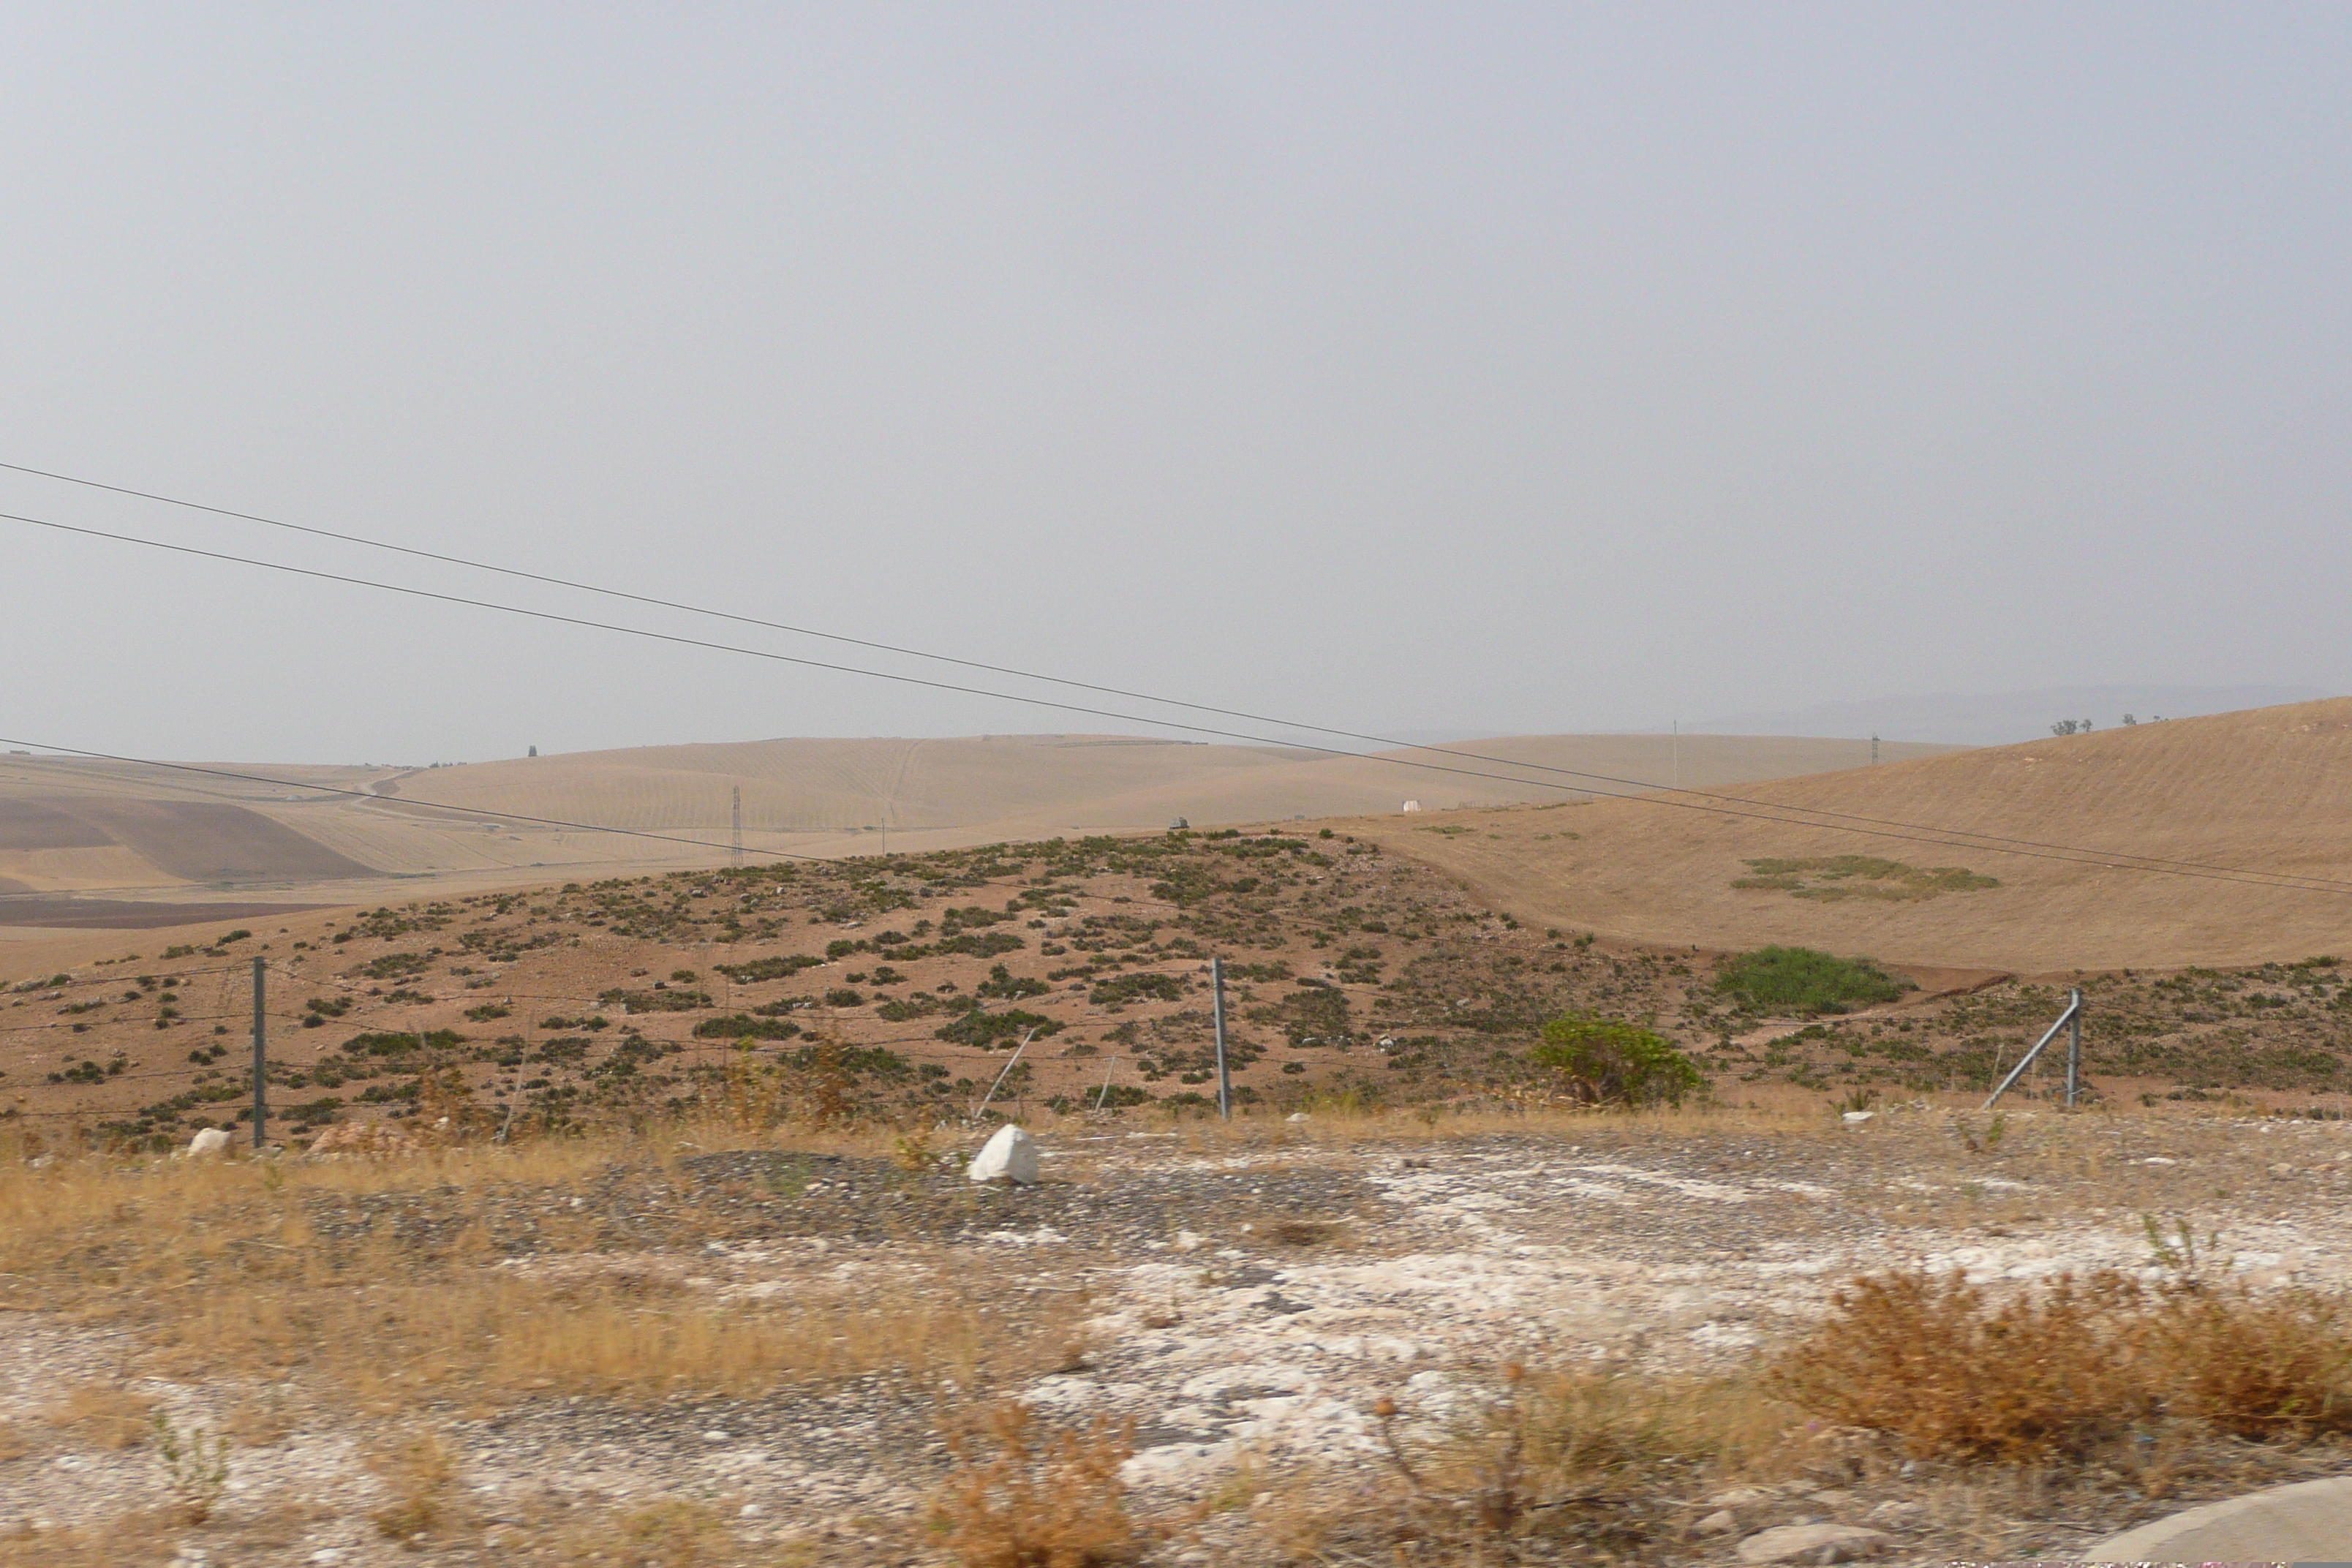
[{"x": 735, "y": 844}]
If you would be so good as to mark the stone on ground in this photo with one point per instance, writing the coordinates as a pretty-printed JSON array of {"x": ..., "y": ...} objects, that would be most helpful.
[
  {"x": 211, "y": 1141},
  {"x": 1812, "y": 1544},
  {"x": 1009, "y": 1156}
]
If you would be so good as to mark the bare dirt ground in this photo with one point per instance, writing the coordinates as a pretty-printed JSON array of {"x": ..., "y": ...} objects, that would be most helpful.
[{"x": 1239, "y": 1301}]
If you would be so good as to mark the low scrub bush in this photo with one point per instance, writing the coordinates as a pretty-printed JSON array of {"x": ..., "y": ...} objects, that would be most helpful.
[
  {"x": 1805, "y": 983},
  {"x": 1120, "y": 989},
  {"x": 762, "y": 969},
  {"x": 1935, "y": 1362},
  {"x": 992, "y": 1029},
  {"x": 663, "y": 1000},
  {"x": 1606, "y": 1061},
  {"x": 745, "y": 1026},
  {"x": 1023, "y": 1499},
  {"x": 1002, "y": 982}
]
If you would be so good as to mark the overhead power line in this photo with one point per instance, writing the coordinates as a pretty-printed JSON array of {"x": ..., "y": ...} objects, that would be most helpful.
[
  {"x": 1711, "y": 805},
  {"x": 574, "y": 585}
]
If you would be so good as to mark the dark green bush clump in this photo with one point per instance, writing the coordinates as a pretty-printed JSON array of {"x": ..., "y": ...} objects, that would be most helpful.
[
  {"x": 989, "y": 1030},
  {"x": 394, "y": 1045},
  {"x": 761, "y": 968},
  {"x": 1002, "y": 982},
  {"x": 1119, "y": 989},
  {"x": 744, "y": 1027},
  {"x": 1805, "y": 983},
  {"x": 1606, "y": 1061}
]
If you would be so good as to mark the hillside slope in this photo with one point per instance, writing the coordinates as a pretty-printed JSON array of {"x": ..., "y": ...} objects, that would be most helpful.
[{"x": 2268, "y": 790}]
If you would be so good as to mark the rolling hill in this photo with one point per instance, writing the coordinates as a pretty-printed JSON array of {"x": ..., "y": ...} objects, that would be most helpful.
[{"x": 2264, "y": 790}]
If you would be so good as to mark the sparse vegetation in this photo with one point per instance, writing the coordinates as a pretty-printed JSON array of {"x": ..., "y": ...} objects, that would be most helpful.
[
  {"x": 1802, "y": 983},
  {"x": 1831, "y": 878}
]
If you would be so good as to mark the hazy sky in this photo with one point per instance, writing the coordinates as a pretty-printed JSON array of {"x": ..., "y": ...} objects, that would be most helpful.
[{"x": 1463, "y": 367}]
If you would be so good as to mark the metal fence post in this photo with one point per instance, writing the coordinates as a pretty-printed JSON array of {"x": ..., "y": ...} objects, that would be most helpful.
[
  {"x": 2073, "y": 1014},
  {"x": 2075, "y": 1048},
  {"x": 1224, "y": 1074},
  {"x": 260, "y": 1057}
]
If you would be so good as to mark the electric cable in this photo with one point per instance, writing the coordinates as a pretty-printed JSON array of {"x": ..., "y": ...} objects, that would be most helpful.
[
  {"x": 1647, "y": 785},
  {"x": 2064, "y": 854}
]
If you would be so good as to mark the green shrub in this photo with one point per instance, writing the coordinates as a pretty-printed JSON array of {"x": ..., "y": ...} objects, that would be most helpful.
[
  {"x": 1606, "y": 1061},
  {"x": 1002, "y": 982},
  {"x": 992, "y": 1029},
  {"x": 760, "y": 969},
  {"x": 392, "y": 1044},
  {"x": 661, "y": 1000},
  {"x": 1121, "y": 989},
  {"x": 744, "y": 1027},
  {"x": 1805, "y": 983}
]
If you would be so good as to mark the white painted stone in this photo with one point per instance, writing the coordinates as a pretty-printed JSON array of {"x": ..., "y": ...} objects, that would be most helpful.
[
  {"x": 1856, "y": 1118},
  {"x": 1009, "y": 1156},
  {"x": 1296, "y": 1116},
  {"x": 211, "y": 1141},
  {"x": 1812, "y": 1544}
]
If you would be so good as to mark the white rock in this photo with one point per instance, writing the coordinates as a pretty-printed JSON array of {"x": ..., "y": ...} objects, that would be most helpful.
[
  {"x": 1009, "y": 1156},
  {"x": 1896, "y": 1512},
  {"x": 1812, "y": 1544},
  {"x": 1856, "y": 1118},
  {"x": 750, "y": 1511},
  {"x": 1739, "y": 1496},
  {"x": 1722, "y": 1522},
  {"x": 1190, "y": 1241},
  {"x": 1302, "y": 1116},
  {"x": 211, "y": 1141}
]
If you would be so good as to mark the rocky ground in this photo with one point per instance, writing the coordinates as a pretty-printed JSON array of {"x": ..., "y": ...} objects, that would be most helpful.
[{"x": 1236, "y": 1305}]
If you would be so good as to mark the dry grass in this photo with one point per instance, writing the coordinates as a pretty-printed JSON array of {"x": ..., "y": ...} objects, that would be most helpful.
[
  {"x": 417, "y": 1471},
  {"x": 146, "y": 1536},
  {"x": 1555, "y": 1456},
  {"x": 102, "y": 1415},
  {"x": 379, "y": 1320},
  {"x": 2057, "y": 1373},
  {"x": 1021, "y": 1498}
]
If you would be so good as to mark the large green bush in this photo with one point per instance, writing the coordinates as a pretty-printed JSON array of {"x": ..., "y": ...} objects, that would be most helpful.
[
  {"x": 1606, "y": 1061},
  {"x": 1802, "y": 983}
]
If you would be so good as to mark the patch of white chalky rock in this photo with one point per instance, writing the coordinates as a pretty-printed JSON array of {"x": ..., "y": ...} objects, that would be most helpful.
[{"x": 1218, "y": 1361}]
